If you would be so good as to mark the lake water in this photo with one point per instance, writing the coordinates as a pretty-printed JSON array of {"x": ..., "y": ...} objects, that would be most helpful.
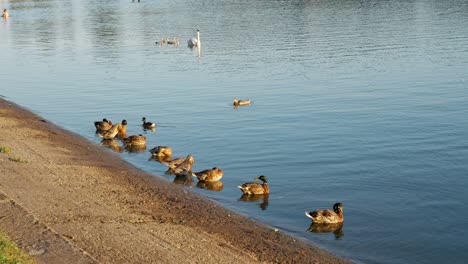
[{"x": 359, "y": 102}]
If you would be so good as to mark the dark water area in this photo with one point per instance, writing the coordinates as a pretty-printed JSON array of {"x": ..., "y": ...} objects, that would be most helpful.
[{"x": 359, "y": 102}]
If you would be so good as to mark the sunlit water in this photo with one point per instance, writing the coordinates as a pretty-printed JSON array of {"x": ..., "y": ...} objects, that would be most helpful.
[{"x": 361, "y": 102}]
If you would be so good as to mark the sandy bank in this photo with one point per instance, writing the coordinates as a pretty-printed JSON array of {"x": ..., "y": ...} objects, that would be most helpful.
[{"x": 75, "y": 202}]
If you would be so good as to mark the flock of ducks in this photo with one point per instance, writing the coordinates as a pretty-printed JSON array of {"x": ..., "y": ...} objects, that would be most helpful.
[{"x": 322, "y": 220}]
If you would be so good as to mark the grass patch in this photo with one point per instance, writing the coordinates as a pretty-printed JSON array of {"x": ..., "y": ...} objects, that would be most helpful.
[
  {"x": 19, "y": 160},
  {"x": 11, "y": 254},
  {"x": 5, "y": 150}
]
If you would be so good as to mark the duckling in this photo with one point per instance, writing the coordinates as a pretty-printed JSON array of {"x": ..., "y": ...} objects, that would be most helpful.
[
  {"x": 184, "y": 168},
  {"x": 161, "y": 151},
  {"x": 148, "y": 125},
  {"x": 119, "y": 128},
  {"x": 139, "y": 140},
  {"x": 241, "y": 102},
  {"x": 327, "y": 216},
  {"x": 256, "y": 188},
  {"x": 212, "y": 175},
  {"x": 103, "y": 125}
]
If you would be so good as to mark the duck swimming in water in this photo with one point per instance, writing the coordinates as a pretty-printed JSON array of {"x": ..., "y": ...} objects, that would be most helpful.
[
  {"x": 184, "y": 167},
  {"x": 237, "y": 102},
  {"x": 148, "y": 125},
  {"x": 255, "y": 187},
  {"x": 327, "y": 216},
  {"x": 212, "y": 175},
  {"x": 119, "y": 128},
  {"x": 103, "y": 125},
  {"x": 139, "y": 140}
]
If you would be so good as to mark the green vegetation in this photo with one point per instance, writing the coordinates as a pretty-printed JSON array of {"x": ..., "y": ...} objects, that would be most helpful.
[
  {"x": 5, "y": 149},
  {"x": 11, "y": 254},
  {"x": 16, "y": 159}
]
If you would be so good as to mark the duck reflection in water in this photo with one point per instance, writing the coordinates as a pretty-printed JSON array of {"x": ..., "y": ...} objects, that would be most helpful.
[
  {"x": 212, "y": 186},
  {"x": 337, "y": 229},
  {"x": 135, "y": 148},
  {"x": 112, "y": 144},
  {"x": 184, "y": 179},
  {"x": 256, "y": 197}
]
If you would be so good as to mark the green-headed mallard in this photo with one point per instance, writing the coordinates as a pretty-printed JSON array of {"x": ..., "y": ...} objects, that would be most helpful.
[
  {"x": 255, "y": 187},
  {"x": 148, "y": 125},
  {"x": 119, "y": 128},
  {"x": 139, "y": 140},
  {"x": 327, "y": 216},
  {"x": 212, "y": 175},
  {"x": 161, "y": 151},
  {"x": 103, "y": 125},
  {"x": 237, "y": 102}
]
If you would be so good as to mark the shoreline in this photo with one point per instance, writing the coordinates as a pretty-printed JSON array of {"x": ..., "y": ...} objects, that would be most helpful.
[{"x": 81, "y": 203}]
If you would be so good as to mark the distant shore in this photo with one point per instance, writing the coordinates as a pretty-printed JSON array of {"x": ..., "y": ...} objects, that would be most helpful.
[{"x": 64, "y": 199}]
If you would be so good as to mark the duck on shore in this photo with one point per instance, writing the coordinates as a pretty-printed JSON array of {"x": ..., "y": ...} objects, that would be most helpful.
[
  {"x": 237, "y": 102},
  {"x": 327, "y": 216},
  {"x": 212, "y": 175},
  {"x": 255, "y": 187}
]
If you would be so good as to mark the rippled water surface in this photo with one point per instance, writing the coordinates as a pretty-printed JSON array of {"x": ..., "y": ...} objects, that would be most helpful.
[{"x": 361, "y": 102}]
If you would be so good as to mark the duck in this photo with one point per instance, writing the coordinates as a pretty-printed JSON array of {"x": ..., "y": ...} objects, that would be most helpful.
[
  {"x": 212, "y": 175},
  {"x": 184, "y": 168},
  {"x": 194, "y": 42},
  {"x": 148, "y": 125},
  {"x": 161, "y": 151},
  {"x": 5, "y": 14},
  {"x": 327, "y": 216},
  {"x": 255, "y": 187},
  {"x": 103, "y": 125},
  {"x": 134, "y": 140},
  {"x": 119, "y": 128},
  {"x": 174, "y": 162},
  {"x": 237, "y": 102}
]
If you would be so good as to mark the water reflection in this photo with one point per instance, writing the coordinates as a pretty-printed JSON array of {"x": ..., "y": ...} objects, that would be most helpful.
[
  {"x": 135, "y": 148},
  {"x": 112, "y": 144},
  {"x": 337, "y": 229},
  {"x": 185, "y": 180},
  {"x": 256, "y": 197},
  {"x": 212, "y": 186}
]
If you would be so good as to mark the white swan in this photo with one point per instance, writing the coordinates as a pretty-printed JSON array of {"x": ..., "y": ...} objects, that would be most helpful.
[{"x": 194, "y": 42}]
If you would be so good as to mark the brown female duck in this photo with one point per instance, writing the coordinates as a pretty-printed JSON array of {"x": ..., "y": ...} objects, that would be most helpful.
[
  {"x": 161, "y": 151},
  {"x": 255, "y": 187},
  {"x": 103, "y": 125},
  {"x": 212, "y": 175},
  {"x": 237, "y": 102},
  {"x": 119, "y": 128},
  {"x": 327, "y": 216}
]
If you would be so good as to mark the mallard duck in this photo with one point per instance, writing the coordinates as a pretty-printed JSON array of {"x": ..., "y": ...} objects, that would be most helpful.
[
  {"x": 241, "y": 102},
  {"x": 161, "y": 151},
  {"x": 119, "y": 128},
  {"x": 148, "y": 125},
  {"x": 139, "y": 140},
  {"x": 103, "y": 125},
  {"x": 175, "y": 162},
  {"x": 5, "y": 14},
  {"x": 327, "y": 216},
  {"x": 184, "y": 168},
  {"x": 255, "y": 187},
  {"x": 212, "y": 175}
]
